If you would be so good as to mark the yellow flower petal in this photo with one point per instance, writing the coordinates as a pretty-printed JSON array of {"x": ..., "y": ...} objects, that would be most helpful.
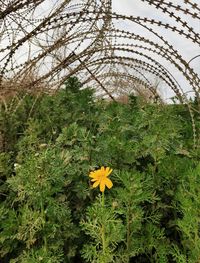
[
  {"x": 96, "y": 184},
  {"x": 108, "y": 171},
  {"x": 95, "y": 174},
  {"x": 108, "y": 183},
  {"x": 92, "y": 174},
  {"x": 94, "y": 179},
  {"x": 99, "y": 177},
  {"x": 102, "y": 169},
  {"x": 102, "y": 186}
]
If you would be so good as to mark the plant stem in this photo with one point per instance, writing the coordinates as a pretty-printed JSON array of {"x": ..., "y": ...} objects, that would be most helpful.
[
  {"x": 103, "y": 226},
  {"x": 103, "y": 199},
  {"x": 128, "y": 230},
  {"x": 128, "y": 234},
  {"x": 44, "y": 218}
]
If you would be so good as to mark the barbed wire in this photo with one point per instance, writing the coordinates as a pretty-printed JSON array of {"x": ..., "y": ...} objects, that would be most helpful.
[{"x": 44, "y": 48}]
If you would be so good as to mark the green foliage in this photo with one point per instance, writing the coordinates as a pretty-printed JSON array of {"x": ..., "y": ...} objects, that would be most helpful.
[
  {"x": 98, "y": 219},
  {"x": 40, "y": 207},
  {"x": 48, "y": 211},
  {"x": 188, "y": 201}
]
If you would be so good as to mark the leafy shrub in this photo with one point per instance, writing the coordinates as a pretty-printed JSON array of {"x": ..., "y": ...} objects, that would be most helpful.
[{"x": 50, "y": 213}]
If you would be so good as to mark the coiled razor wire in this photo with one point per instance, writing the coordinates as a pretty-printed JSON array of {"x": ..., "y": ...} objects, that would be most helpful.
[{"x": 44, "y": 42}]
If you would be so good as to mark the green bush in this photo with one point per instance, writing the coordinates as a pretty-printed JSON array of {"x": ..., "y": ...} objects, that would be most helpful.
[{"x": 49, "y": 211}]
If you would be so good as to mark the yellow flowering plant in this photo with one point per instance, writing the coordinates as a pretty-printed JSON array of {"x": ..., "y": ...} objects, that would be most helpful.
[{"x": 100, "y": 178}]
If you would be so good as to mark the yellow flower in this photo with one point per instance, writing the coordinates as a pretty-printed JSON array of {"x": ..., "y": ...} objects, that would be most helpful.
[{"x": 100, "y": 176}]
